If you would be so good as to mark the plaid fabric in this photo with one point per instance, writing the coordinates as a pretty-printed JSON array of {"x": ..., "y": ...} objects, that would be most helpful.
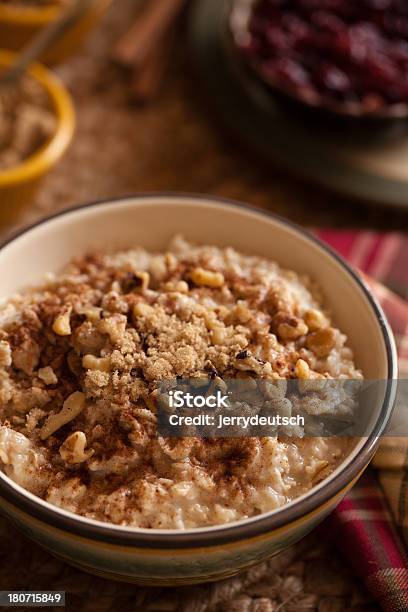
[
  {"x": 367, "y": 524},
  {"x": 381, "y": 256},
  {"x": 363, "y": 528}
]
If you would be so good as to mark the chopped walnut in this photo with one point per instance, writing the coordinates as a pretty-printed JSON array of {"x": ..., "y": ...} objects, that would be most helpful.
[
  {"x": 73, "y": 449},
  {"x": 72, "y": 407},
  {"x": 144, "y": 278},
  {"x": 142, "y": 310},
  {"x": 90, "y": 362},
  {"x": 114, "y": 326},
  {"x": 292, "y": 329},
  {"x": 321, "y": 342},
  {"x": 176, "y": 287},
  {"x": 302, "y": 369},
  {"x": 47, "y": 375},
  {"x": 62, "y": 325},
  {"x": 92, "y": 313},
  {"x": 199, "y": 276},
  {"x": 315, "y": 319}
]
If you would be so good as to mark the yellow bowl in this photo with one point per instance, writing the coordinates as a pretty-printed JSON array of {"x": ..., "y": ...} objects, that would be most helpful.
[
  {"x": 19, "y": 23},
  {"x": 18, "y": 184}
]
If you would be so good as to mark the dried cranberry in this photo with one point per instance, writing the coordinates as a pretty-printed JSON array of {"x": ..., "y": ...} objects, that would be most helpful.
[
  {"x": 327, "y": 21},
  {"x": 276, "y": 38},
  {"x": 289, "y": 72},
  {"x": 339, "y": 49},
  {"x": 335, "y": 79},
  {"x": 399, "y": 53},
  {"x": 379, "y": 5}
]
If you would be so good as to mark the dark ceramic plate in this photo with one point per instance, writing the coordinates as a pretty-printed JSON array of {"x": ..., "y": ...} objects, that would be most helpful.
[
  {"x": 238, "y": 25},
  {"x": 367, "y": 164}
]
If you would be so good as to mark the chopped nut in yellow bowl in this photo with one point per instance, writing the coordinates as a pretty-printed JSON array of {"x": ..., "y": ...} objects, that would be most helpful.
[
  {"x": 20, "y": 20},
  {"x": 36, "y": 126}
]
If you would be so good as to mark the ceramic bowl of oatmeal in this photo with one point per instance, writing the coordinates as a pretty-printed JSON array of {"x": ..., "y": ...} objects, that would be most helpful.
[
  {"x": 103, "y": 304},
  {"x": 20, "y": 20},
  {"x": 37, "y": 124}
]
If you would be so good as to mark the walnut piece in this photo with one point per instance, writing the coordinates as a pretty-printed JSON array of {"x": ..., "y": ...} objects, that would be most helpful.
[
  {"x": 322, "y": 341},
  {"x": 199, "y": 276},
  {"x": 72, "y": 407},
  {"x": 47, "y": 375},
  {"x": 73, "y": 449},
  {"x": 62, "y": 324},
  {"x": 90, "y": 362},
  {"x": 292, "y": 329}
]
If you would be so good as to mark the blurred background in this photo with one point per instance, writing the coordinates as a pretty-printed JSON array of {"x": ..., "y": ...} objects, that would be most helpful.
[
  {"x": 167, "y": 113},
  {"x": 306, "y": 118}
]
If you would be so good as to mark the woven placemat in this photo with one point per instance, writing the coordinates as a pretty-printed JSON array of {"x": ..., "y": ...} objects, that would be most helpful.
[
  {"x": 304, "y": 578},
  {"x": 113, "y": 155}
]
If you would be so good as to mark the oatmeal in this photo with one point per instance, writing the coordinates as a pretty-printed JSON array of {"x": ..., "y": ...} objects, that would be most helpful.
[
  {"x": 82, "y": 357},
  {"x": 26, "y": 121}
]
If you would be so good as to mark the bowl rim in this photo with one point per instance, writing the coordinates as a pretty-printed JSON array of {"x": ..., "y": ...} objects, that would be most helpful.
[
  {"x": 242, "y": 529},
  {"x": 55, "y": 146},
  {"x": 238, "y": 28},
  {"x": 38, "y": 16},
  {"x": 28, "y": 15}
]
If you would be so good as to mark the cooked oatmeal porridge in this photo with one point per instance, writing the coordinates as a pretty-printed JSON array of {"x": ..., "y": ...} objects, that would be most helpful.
[{"x": 80, "y": 362}]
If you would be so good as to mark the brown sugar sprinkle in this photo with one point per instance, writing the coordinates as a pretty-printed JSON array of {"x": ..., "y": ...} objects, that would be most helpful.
[{"x": 82, "y": 356}]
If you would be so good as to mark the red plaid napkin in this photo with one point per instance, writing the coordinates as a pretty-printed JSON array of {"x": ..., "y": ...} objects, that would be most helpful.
[
  {"x": 368, "y": 524},
  {"x": 383, "y": 256}
]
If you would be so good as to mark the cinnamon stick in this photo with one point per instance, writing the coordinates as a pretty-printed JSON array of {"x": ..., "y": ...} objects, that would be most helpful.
[
  {"x": 134, "y": 48},
  {"x": 146, "y": 81}
]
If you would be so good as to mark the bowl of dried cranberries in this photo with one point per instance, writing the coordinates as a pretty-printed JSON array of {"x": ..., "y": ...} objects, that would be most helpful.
[{"x": 348, "y": 57}]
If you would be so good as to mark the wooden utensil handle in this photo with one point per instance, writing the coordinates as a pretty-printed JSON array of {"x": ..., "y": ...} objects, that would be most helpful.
[
  {"x": 146, "y": 82},
  {"x": 150, "y": 26},
  {"x": 45, "y": 39}
]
